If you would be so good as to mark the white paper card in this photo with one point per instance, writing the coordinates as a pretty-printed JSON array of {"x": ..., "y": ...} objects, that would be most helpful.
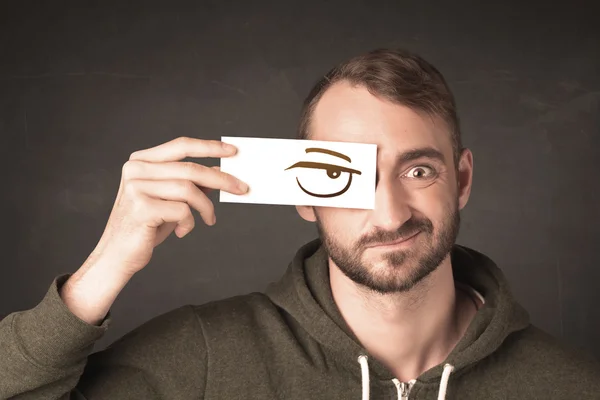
[{"x": 302, "y": 172}]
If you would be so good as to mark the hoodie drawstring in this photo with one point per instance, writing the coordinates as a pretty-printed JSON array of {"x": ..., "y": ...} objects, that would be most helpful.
[
  {"x": 364, "y": 369},
  {"x": 448, "y": 368}
]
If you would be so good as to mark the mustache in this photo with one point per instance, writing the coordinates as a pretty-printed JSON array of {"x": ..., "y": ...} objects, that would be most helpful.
[{"x": 409, "y": 228}]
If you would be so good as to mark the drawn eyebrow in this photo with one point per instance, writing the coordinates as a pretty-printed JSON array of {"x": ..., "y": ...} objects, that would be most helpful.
[{"x": 330, "y": 152}]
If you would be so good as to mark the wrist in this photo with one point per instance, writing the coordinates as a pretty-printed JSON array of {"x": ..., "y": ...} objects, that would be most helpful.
[{"x": 90, "y": 292}]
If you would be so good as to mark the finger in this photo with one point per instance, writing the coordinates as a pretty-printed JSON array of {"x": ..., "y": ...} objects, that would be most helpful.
[
  {"x": 201, "y": 175},
  {"x": 177, "y": 190},
  {"x": 182, "y": 147},
  {"x": 207, "y": 190},
  {"x": 167, "y": 215}
]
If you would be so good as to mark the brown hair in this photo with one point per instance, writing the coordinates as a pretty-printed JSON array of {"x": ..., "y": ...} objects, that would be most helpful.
[{"x": 398, "y": 76}]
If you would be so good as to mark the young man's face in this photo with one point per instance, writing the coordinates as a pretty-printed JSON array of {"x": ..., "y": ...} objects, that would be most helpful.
[{"x": 417, "y": 200}]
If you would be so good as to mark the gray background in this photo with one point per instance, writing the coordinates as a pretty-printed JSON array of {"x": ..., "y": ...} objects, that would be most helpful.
[{"x": 83, "y": 85}]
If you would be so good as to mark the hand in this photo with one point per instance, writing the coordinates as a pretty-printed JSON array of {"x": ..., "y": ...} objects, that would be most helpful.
[{"x": 155, "y": 197}]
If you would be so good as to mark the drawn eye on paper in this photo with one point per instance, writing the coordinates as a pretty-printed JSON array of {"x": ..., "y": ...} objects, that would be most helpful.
[{"x": 323, "y": 179}]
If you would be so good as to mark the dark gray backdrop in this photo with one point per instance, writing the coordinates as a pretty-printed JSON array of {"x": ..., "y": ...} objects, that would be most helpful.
[{"x": 83, "y": 85}]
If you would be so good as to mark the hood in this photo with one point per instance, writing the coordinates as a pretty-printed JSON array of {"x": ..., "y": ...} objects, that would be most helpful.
[{"x": 304, "y": 292}]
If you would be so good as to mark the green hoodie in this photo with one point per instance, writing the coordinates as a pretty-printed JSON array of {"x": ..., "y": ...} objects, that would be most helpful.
[{"x": 290, "y": 342}]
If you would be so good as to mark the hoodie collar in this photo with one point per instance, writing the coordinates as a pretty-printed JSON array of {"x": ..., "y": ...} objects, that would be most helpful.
[{"x": 305, "y": 293}]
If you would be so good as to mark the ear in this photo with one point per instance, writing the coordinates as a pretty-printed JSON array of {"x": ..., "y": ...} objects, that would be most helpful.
[
  {"x": 465, "y": 177},
  {"x": 307, "y": 213}
]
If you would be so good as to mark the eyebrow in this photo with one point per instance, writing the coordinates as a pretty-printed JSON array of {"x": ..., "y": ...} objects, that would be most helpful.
[
  {"x": 330, "y": 152},
  {"x": 425, "y": 152}
]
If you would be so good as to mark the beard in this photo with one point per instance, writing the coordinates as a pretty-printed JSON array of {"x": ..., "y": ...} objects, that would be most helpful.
[{"x": 403, "y": 268}]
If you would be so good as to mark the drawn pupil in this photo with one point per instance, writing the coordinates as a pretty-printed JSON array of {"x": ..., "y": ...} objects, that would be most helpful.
[{"x": 333, "y": 173}]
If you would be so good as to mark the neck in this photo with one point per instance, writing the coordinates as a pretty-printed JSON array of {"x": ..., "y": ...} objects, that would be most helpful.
[{"x": 408, "y": 332}]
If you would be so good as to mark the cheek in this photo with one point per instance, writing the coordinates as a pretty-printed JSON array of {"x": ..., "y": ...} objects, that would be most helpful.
[
  {"x": 341, "y": 224},
  {"x": 433, "y": 202}
]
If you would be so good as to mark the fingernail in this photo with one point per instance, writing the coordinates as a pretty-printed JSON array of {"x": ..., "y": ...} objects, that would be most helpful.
[
  {"x": 229, "y": 147},
  {"x": 214, "y": 219},
  {"x": 243, "y": 186}
]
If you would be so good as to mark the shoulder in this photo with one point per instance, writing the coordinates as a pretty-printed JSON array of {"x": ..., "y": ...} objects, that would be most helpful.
[
  {"x": 238, "y": 313},
  {"x": 173, "y": 331},
  {"x": 536, "y": 343},
  {"x": 233, "y": 308},
  {"x": 240, "y": 330},
  {"x": 189, "y": 329},
  {"x": 540, "y": 358}
]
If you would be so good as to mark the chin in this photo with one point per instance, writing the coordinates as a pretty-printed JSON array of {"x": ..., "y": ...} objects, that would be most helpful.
[
  {"x": 394, "y": 276},
  {"x": 386, "y": 271}
]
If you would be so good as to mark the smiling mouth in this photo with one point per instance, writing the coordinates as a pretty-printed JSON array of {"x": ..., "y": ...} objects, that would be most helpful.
[{"x": 392, "y": 243}]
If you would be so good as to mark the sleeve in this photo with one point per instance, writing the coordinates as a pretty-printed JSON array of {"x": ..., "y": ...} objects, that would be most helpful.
[{"x": 46, "y": 353}]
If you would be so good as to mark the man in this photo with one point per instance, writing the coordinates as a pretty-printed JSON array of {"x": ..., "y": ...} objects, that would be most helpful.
[{"x": 384, "y": 306}]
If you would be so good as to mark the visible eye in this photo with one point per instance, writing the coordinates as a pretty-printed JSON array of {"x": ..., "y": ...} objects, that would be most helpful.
[
  {"x": 322, "y": 179},
  {"x": 421, "y": 172}
]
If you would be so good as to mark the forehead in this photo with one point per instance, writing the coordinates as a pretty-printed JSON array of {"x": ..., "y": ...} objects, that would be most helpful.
[{"x": 352, "y": 114}]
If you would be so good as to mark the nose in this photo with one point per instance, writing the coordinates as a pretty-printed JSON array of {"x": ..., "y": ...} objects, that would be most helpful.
[{"x": 391, "y": 206}]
